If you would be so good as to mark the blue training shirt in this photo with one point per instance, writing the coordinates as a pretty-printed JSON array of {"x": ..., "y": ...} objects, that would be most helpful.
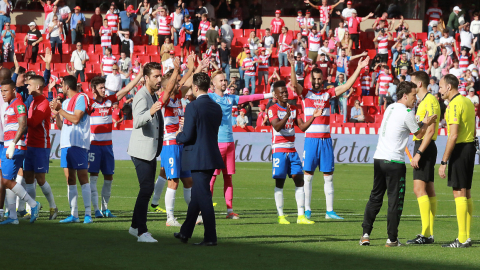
[{"x": 225, "y": 133}]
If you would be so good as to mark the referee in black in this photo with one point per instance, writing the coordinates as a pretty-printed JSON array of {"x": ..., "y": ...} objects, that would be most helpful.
[{"x": 459, "y": 155}]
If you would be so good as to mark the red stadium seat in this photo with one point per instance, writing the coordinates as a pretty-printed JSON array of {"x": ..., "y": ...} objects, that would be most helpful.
[
  {"x": 139, "y": 50},
  {"x": 95, "y": 58},
  {"x": 241, "y": 41},
  {"x": 96, "y": 68},
  {"x": 90, "y": 49},
  {"x": 151, "y": 50},
  {"x": 89, "y": 76},
  {"x": 56, "y": 58},
  {"x": 336, "y": 128},
  {"x": 143, "y": 59},
  {"x": 246, "y": 32},
  {"x": 98, "y": 49},
  {"x": 37, "y": 67},
  {"x": 68, "y": 48},
  {"x": 263, "y": 129},
  {"x": 238, "y": 33},
  {"x": 285, "y": 71},
  {"x": 66, "y": 58},
  {"x": 361, "y": 128},
  {"x": 41, "y": 48},
  {"x": 88, "y": 68},
  {"x": 85, "y": 85},
  {"x": 20, "y": 37},
  {"x": 379, "y": 118},
  {"x": 115, "y": 50},
  {"x": 60, "y": 67},
  {"x": 348, "y": 128},
  {"x": 373, "y": 128},
  {"x": 368, "y": 101}
]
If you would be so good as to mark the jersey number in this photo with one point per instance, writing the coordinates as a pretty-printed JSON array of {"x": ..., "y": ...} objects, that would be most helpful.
[
  {"x": 91, "y": 157},
  {"x": 276, "y": 162},
  {"x": 170, "y": 160}
]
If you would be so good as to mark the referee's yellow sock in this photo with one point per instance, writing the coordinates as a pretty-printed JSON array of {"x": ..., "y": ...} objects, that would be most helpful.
[
  {"x": 424, "y": 205},
  {"x": 461, "y": 203},
  {"x": 433, "y": 212},
  {"x": 469, "y": 215}
]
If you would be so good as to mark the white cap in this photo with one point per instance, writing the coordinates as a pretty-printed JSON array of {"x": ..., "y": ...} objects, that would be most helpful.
[
  {"x": 433, "y": 23},
  {"x": 456, "y": 8},
  {"x": 32, "y": 24}
]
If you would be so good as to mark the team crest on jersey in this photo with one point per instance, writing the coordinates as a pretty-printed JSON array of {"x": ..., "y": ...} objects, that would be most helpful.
[
  {"x": 21, "y": 109},
  {"x": 172, "y": 171},
  {"x": 270, "y": 113}
]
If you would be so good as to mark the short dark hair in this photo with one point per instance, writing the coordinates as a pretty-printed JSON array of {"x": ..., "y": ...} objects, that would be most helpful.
[
  {"x": 317, "y": 70},
  {"x": 452, "y": 80},
  {"x": 21, "y": 70},
  {"x": 267, "y": 29},
  {"x": 421, "y": 76},
  {"x": 71, "y": 82},
  {"x": 147, "y": 69},
  {"x": 105, "y": 19},
  {"x": 213, "y": 23},
  {"x": 202, "y": 81},
  {"x": 109, "y": 49},
  {"x": 166, "y": 77},
  {"x": 97, "y": 80},
  {"x": 188, "y": 16},
  {"x": 405, "y": 88},
  {"x": 39, "y": 79},
  {"x": 9, "y": 82},
  {"x": 446, "y": 31},
  {"x": 279, "y": 84}
]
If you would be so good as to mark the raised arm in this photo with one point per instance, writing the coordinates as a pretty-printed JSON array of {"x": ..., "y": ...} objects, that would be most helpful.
[
  {"x": 358, "y": 55},
  {"x": 343, "y": 88},
  {"x": 335, "y": 5},
  {"x": 120, "y": 94},
  {"x": 293, "y": 77},
  {"x": 367, "y": 17},
  {"x": 310, "y": 3}
]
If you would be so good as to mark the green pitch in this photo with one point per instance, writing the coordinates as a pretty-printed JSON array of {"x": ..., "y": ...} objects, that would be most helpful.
[{"x": 253, "y": 242}]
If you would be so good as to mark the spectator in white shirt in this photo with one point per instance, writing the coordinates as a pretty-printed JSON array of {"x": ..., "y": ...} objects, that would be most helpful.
[
  {"x": 475, "y": 29},
  {"x": 447, "y": 41},
  {"x": 177, "y": 23},
  {"x": 435, "y": 70},
  {"x": 473, "y": 98},
  {"x": 456, "y": 69},
  {"x": 78, "y": 60},
  {"x": 268, "y": 40},
  {"x": 433, "y": 86},
  {"x": 124, "y": 68},
  {"x": 113, "y": 83},
  {"x": 466, "y": 37},
  {"x": 347, "y": 12},
  {"x": 168, "y": 64},
  {"x": 242, "y": 119},
  {"x": 49, "y": 18}
]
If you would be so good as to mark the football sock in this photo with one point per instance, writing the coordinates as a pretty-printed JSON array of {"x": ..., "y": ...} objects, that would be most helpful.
[
  {"x": 47, "y": 191},
  {"x": 328, "y": 189},
  {"x": 170, "y": 202},
  {"x": 229, "y": 210},
  {"x": 469, "y": 215},
  {"x": 433, "y": 212},
  {"x": 212, "y": 183},
  {"x": 300, "y": 198},
  {"x": 187, "y": 195},
  {"x": 72, "y": 199},
  {"x": 461, "y": 205},
  {"x": 11, "y": 203},
  {"x": 158, "y": 190},
  {"x": 279, "y": 200},
  {"x": 30, "y": 188},
  {"x": 308, "y": 190},
  {"x": 424, "y": 205},
  {"x": 93, "y": 187},
  {"x": 228, "y": 190},
  {"x": 21, "y": 203},
  {"x": 87, "y": 199},
  {"x": 22, "y": 193},
  {"x": 106, "y": 192}
]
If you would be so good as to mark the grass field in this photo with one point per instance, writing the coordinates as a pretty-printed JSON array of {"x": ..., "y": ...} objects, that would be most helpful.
[{"x": 253, "y": 242}]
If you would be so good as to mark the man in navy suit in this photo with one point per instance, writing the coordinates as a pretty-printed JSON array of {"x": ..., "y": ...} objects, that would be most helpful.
[{"x": 202, "y": 156}]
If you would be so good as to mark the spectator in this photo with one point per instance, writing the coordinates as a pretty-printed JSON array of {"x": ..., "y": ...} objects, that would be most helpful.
[
  {"x": 177, "y": 18},
  {"x": 301, "y": 66},
  {"x": 453, "y": 23},
  {"x": 263, "y": 66},
  {"x": 113, "y": 82},
  {"x": 392, "y": 89},
  {"x": 145, "y": 13},
  {"x": 343, "y": 60},
  {"x": 187, "y": 26},
  {"x": 324, "y": 65},
  {"x": 222, "y": 10},
  {"x": 306, "y": 25},
  {"x": 434, "y": 14},
  {"x": 161, "y": 3},
  {"x": 403, "y": 62},
  {"x": 433, "y": 86},
  {"x": 445, "y": 62},
  {"x": 32, "y": 39},
  {"x": 65, "y": 16},
  {"x": 356, "y": 113},
  {"x": 343, "y": 98},
  {"x": 464, "y": 59},
  {"x": 55, "y": 32},
  {"x": 381, "y": 23},
  {"x": 164, "y": 25},
  {"x": 210, "y": 10},
  {"x": 78, "y": 60},
  {"x": 115, "y": 9},
  {"x": 382, "y": 51},
  {"x": 325, "y": 11},
  {"x": 117, "y": 115},
  {"x": 346, "y": 43},
  {"x": 324, "y": 49},
  {"x": 347, "y": 12},
  {"x": 333, "y": 101},
  {"x": 249, "y": 67},
  {"x": 340, "y": 31},
  {"x": 435, "y": 70},
  {"x": 106, "y": 35},
  {"x": 212, "y": 37},
  {"x": 240, "y": 57},
  {"x": 8, "y": 38},
  {"x": 234, "y": 85},
  {"x": 225, "y": 59},
  {"x": 284, "y": 46},
  {"x": 127, "y": 18},
  {"x": 256, "y": 13},
  {"x": 299, "y": 45},
  {"x": 466, "y": 37},
  {"x": 402, "y": 26},
  {"x": 49, "y": 19},
  {"x": 455, "y": 70},
  {"x": 473, "y": 98},
  {"x": 253, "y": 43},
  {"x": 226, "y": 33},
  {"x": 276, "y": 26},
  {"x": 475, "y": 28},
  {"x": 403, "y": 76},
  {"x": 262, "y": 118},
  {"x": 406, "y": 38},
  {"x": 366, "y": 81},
  {"x": 237, "y": 16},
  {"x": 437, "y": 34},
  {"x": 353, "y": 23},
  {"x": 314, "y": 39},
  {"x": 75, "y": 19},
  {"x": 168, "y": 63},
  {"x": 212, "y": 54},
  {"x": 431, "y": 46},
  {"x": 202, "y": 30},
  {"x": 268, "y": 40},
  {"x": 107, "y": 63},
  {"x": 187, "y": 100},
  {"x": 126, "y": 44},
  {"x": 242, "y": 119},
  {"x": 96, "y": 23},
  {"x": 48, "y": 6},
  {"x": 166, "y": 48},
  {"x": 113, "y": 21},
  {"x": 199, "y": 12},
  {"x": 124, "y": 68},
  {"x": 5, "y": 9},
  {"x": 382, "y": 85}
]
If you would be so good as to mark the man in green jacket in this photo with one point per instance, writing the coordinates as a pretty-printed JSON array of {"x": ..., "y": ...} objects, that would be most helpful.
[{"x": 453, "y": 23}]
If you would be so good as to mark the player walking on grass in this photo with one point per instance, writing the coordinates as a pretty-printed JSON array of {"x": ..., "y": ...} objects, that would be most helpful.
[
  {"x": 13, "y": 154},
  {"x": 226, "y": 143},
  {"x": 100, "y": 155},
  {"x": 285, "y": 159},
  {"x": 73, "y": 118},
  {"x": 318, "y": 149},
  {"x": 389, "y": 162},
  {"x": 423, "y": 162},
  {"x": 460, "y": 155}
]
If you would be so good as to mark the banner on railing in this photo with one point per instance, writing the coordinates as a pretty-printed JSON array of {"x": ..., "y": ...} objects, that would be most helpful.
[{"x": 256, "y": 146}]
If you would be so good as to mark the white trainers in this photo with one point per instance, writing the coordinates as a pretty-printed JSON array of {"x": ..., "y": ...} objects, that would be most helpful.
[
  {"x": 133, "y": 232},
  {"x": 172, "y": 222},
  {"x": 199, "y": 220},
  {"x": 147, "y": 238},
  {"x": 393, "y": 244}
]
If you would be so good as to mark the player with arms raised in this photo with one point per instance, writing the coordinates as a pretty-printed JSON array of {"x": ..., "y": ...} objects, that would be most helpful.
[{"x": 318, "y": 150}]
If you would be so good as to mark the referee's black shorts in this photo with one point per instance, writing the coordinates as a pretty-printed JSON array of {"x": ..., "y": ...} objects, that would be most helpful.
[
  {"x": 461, "y": 165},
  {"x": 426, "y": 165}
]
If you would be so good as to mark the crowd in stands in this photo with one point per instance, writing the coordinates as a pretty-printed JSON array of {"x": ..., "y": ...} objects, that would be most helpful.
[{"x": 116, "y": 43}]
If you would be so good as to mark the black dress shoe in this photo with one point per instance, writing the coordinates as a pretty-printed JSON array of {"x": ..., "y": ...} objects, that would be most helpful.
[
  {"x": 181, "y": 237},
  {"x": 203, "y": 243}
]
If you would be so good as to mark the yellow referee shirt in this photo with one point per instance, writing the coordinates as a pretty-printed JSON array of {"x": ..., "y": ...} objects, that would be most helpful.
[
  {"x": 428, "y": 104},
  {"x": 460, "y": 111}
]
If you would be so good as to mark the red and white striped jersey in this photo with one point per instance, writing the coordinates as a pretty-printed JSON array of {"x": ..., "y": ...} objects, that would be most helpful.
[
  {"x": 462, "y": 87},
  {"x": 314, "y": 42},
  {"x": 299, "y": 19},
  {"x": 249, "y": 66},
  {"x": 434, "y": 14},
  {"x": 463, "y": 62},
  {"x": 112, "y": 21},
  {"x": 283, "y": 141},
  {"x": 383, "y": 44},
  {"x": 263, "y": 66},
  {"x": 164, "y": 26},
  {"x": 204, "y": 26},
  {"x": 101, "y": 121},
  {"x": 172, "y": 110},
  {"x": 417, "y": 51},
  {"x": 324, "y": 13},
  {"x": 276, "y": 25},
  {"x": 15, "y": 109},
  {"x": 320, "y": 128},
  {"x": 383, "y": 81},
  {"x": 365, "y": 81},
  {"x": 108, "y": 63},
  {"x": 308, "y": 22},
  {"x": 106, "y": 36}
]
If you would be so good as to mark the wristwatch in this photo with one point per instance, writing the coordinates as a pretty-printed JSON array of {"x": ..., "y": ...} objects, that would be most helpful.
[
  {"x": 444, "y": 162},
  {"x": 419, "y": 152}
]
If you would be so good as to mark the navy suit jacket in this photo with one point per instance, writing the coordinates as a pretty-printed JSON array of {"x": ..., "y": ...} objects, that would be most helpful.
[{"x": 200, "y": 135}]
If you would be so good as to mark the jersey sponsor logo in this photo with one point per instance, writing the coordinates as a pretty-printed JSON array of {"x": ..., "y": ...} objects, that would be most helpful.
[
  {"x": 270, "y": 113},
  {"x": 21, "y": 109}
]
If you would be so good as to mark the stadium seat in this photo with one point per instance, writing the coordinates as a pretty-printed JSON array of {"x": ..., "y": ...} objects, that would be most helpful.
[
  {"x": 151, "y": 50},
  {"x": 378, "y": 118},
  {"x": 368, "y": 101},
  {"x": 37, "y": 67},
  {"x": 90, "y": 49},
  {"x": 336, "y": 128},
  {"x": 8, "y": 65},
  {"x": 41, "y": 48},
  {"x": 95, "y": 58},
  {"x": 240, "y": 41},
  {"x": 85, "y": 86},
  {"x": 96, "y": 68},
  {"x": 361, "y": 128},
  {"x": 56, "y": 58},
  {"x": 373, "y": 128},
  {"x": 98, "y": 49},
  {"x": 238, "y": 33},
  {"x": 144, "y": 58},
  {"x": 66, "y": 58},
  {"x": 285, "y": 71},
  {"x": 139, "y": 50},
  {"x": 263, "y": 129},
  {"x": 115, "y": 50},
  {"x": 59, "y": 67},
  {"x": 88, "y": 68},
  {"x": 246, "y": 32},
  {"x": 348, "y": 128},
  {"x": 89, "y": 76},
  {"x": 67, "y": 48}
]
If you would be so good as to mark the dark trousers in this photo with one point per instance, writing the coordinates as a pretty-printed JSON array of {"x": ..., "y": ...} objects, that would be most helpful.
[
  {"x": 34, "y": 54},
  {"x": 355, "y": 39},
  {"x": 390, "y": 177},
  {"x": 201, "y": 201},
  {"x": 477, "y": 44},
  {"x": 82, "y": 75},
  {"x": 383, "y": 57},
  {"x": 56, "y": 42},
  {"x": 146, "y": 178},
  {"x": 97, "y": 38},
  {"x": 114, "y": 38},
  {"x": 275, "y": 38},
  {"x": 161, "y": 40}
]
